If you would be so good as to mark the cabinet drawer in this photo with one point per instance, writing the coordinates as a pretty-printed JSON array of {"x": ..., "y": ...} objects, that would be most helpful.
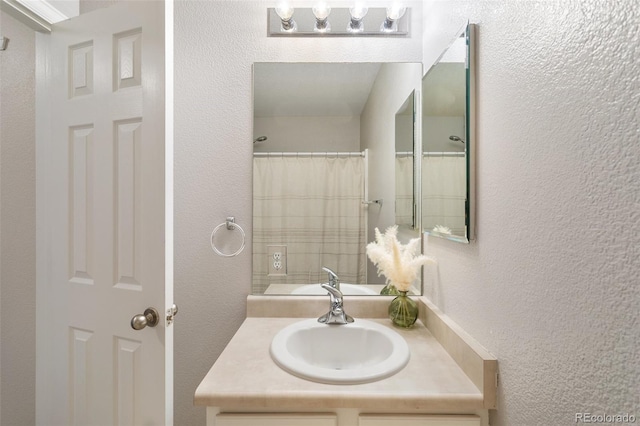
[
  {"x": 266, "y": 419},
  {"x": 417, "y": 420}
]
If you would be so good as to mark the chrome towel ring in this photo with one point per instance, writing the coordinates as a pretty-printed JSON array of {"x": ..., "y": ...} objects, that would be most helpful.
[{"x": 231, "y": 225}]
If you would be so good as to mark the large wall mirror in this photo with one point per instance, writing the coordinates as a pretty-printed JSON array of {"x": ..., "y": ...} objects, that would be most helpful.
[
  {"x": 324, "y": 170},
  {"x": 448, "y": 142}
]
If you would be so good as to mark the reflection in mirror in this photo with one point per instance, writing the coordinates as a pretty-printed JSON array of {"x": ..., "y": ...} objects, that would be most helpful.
[
  {"x": 323, "y": 141},
  {"x": 404, "y": 143},
  {"x": 448, "y": 142}
]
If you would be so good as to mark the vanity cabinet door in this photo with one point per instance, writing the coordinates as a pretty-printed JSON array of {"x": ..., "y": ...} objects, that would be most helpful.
[
  {"x": 302, "y": 419},
  {"x": 417, "y": 420}
]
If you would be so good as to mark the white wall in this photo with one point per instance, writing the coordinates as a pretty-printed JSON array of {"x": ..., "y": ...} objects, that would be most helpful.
[
  {"x": 551, "y": 285},
  {"x": 404, "y": 133},
  {"x": 87, "y": 6},
  {"x": 307, "y": 134},
  {"x": 17, "y": 223},
  {"x": 377, "y": 131},
  {"x": 215, "y": 46},
  {"x": 436, "y": 132}
]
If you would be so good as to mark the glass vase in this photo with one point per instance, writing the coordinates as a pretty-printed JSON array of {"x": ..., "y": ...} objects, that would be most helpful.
[
  {"x": 403, "y": 311},
  {"x": 389, "y": 290}
]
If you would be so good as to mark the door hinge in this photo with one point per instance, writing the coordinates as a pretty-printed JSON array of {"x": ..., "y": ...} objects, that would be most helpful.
[{"x": 171, "y": 313}]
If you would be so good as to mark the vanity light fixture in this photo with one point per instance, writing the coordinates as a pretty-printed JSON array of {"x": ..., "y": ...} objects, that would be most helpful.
[
  {"x": 321, "y": 11},
  {"x": 285, "y": 12},
  {"x": 395, "y": 12},
  {"x": 391, "y": 21},
  {"x": 357, "y": 13}
]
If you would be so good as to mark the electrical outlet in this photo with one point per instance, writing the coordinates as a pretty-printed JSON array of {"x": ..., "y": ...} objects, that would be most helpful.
[{"x": 277, "y": 260}]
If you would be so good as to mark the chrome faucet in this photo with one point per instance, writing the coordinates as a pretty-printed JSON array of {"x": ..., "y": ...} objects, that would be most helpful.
[
  {"x": 334, "y": 281},
  {"x": 336, "y": 314}
]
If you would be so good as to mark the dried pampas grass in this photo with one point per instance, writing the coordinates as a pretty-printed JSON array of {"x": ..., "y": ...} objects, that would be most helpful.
[{"x": 400, "y": 264}]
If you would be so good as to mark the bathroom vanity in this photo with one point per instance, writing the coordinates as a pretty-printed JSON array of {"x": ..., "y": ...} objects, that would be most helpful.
[{"x": 450, "y": 380}]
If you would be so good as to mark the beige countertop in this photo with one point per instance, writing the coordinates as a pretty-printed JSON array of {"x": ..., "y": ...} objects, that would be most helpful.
[{"x": 245, "y": 378}]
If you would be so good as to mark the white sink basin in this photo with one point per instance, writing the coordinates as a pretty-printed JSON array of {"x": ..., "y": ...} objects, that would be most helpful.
[
  {"x": 346, "y": 289},
  {"x": 359, "y": 352}
]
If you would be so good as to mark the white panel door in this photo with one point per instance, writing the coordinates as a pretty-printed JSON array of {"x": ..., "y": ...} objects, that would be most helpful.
[{"x": 104, "y": 221}]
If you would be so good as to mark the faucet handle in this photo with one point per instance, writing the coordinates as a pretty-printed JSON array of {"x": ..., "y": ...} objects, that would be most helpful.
[
  {"x": 334, "y": 281},
  {"x": 336, "y": 314},
  {"x": 334, "y": 294}
]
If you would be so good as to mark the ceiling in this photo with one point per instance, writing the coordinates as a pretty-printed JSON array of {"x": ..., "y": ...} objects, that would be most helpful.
[
  {"x": 312, "y": 89},
  {"x": 444, "y": 86}
]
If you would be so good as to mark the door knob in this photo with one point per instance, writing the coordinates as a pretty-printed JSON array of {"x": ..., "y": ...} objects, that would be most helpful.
[{"x": 149, "y": 318}]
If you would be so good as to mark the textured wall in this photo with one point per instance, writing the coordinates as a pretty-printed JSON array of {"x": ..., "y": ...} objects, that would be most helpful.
[
  {"x": 215, "y": 46},
  {"x": 17, "y": 223},
  {"x": 551, "y": 285}
]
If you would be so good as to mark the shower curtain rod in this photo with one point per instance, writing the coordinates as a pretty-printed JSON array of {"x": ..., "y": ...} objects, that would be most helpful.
[
  {"x": 431, "y": 154},
  {"x": 444, "y": 154},
  {"x": 308, "y": 154}
]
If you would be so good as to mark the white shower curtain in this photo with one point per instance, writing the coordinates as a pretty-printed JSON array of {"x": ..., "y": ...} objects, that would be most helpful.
[
  {"x": 444, "y": 192},
  {"x": 313, "y": 205},
  {"x": 404, "y": 190}
]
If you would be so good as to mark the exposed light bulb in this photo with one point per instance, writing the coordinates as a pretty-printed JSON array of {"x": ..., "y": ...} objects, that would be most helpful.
[
  {"x": 357, "y": 12},
  {"x": 285, "y": 12},
  {"x": 394, "y": 12},
  {"x": 321, "y": 11}
]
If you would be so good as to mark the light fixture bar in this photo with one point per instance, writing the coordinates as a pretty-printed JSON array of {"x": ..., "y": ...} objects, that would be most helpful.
[{"x": 343, "y": 23}]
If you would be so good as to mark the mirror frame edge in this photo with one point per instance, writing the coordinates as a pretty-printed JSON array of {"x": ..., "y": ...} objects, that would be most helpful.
[
  {"x": 417, "y": 172},
  {"x": 471, "y": 130}
]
